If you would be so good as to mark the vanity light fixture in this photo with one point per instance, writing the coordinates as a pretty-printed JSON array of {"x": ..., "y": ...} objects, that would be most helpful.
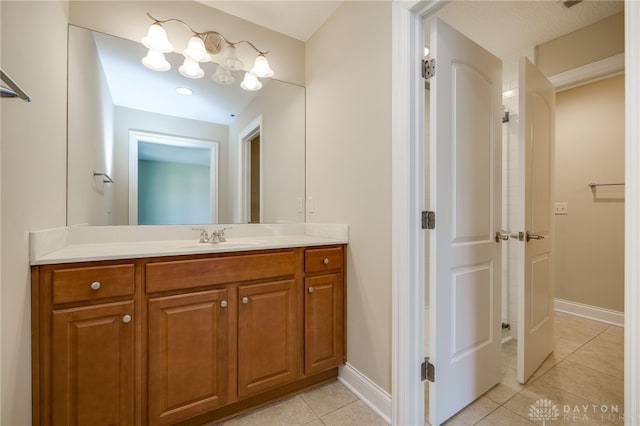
[{"x": 199, "y": 49}]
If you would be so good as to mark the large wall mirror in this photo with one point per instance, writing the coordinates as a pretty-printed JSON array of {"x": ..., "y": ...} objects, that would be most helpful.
[{"x": 139, "y": 152}]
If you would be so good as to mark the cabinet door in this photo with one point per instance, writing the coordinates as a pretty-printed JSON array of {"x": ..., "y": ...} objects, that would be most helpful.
[
  {"x": 187, "y": 355},
  {"x": 324, "y": 326},
  {"x": 267, "y": 336},
  {"x": 92, "y": 365}
]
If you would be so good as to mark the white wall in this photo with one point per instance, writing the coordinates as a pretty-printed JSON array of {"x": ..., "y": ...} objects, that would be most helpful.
[
  {"x": 90, "y": 200},
  {"x": 282, "y": 144},
  {"x": 348, "y": 78},
  {"x": 33, "y": 176},
  {"x": 132, "y": 119}
]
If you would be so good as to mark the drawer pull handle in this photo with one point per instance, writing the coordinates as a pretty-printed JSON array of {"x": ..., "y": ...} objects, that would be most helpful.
[
  {"x": 96, "y": 285},
  {"x": 223, "y": 304},
  {"x": 126, "y": 319},
  {"x": 245, "y": 300},
  {"x": 325, "y": 260},
  {"x": 311, "y": 289}
]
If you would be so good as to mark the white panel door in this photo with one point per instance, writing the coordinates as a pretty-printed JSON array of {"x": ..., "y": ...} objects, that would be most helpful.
[
  {"x": 465, "y": 192},
  {"x": 536, "y": 168}
]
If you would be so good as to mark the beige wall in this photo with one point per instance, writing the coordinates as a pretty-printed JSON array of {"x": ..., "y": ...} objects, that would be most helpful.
[
  {"x": 348, "y": 68},
  {"x": 90, "y": 200},
  {"x": 282, "y": 144},
  {"x": 581, "y": 47},
  {"x": 129, "y": 20},
  {"x": 33, "y": 176},
  {"x": 590, "y": 239}
]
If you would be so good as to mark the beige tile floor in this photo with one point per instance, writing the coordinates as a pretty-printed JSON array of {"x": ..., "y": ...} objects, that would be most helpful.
[
  {"x": 331, "y": 404},
  {"x": 585, "y": 371},
  {"x": 583, "y": 377}
]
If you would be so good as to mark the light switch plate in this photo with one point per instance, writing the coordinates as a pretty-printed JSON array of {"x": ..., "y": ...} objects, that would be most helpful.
[
  {"x": 310, "y": 206},
  {"x": 561, "y": 208}
]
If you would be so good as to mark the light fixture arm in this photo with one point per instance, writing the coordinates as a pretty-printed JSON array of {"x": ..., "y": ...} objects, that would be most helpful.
[{"x": 206, "y": 34}]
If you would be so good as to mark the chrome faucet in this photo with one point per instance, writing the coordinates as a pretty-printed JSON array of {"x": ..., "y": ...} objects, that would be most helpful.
[{"x": 216, "y": 236}]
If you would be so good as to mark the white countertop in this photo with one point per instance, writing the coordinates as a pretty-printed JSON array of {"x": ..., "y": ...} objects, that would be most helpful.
[{"x": 92, "y": 243}]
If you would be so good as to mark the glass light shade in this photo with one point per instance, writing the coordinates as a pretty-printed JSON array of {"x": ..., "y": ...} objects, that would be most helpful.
[
  {"x": 261, "y": 67},
  {"x": 155, "y": 61},
  {"x": 191, "y": 69},
  {"x": 196, "y": 50},
  {"x": 222, "y": 76},
  {"x": 156, "y": 39},
  {"x": 250, "y": 82},
  {"x": 230, "y": 59}
]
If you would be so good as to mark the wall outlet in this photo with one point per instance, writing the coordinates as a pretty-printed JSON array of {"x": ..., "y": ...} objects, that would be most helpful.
[
  {"x": 300, "y": 205},
  {"x": 561, "y": 208}
]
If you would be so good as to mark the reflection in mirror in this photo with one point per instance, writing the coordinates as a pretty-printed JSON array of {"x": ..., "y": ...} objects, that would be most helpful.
[{"x": 219, "y": 155}]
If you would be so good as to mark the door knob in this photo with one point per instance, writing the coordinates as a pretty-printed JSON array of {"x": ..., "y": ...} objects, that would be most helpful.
[
  {"x": 311, "y": 289},
  {"x": 126, "y": 319},
  {"x": 325, "y": 261},
  {"x": 533, "y": 236},
  {"x": 96, "y": 285},
  {"x": 223, "y": 304},
  {"x": 245, "y": 300},
  {"x": 502, "y": 236},
  {"x": 526, "y": 236}
]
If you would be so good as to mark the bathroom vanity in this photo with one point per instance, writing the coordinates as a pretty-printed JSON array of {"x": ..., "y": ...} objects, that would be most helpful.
[{"x": 196, "y": 335}]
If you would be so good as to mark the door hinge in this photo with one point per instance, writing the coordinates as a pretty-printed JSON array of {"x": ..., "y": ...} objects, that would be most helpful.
[
  {"x": 428, "y": 68},
  {"x": 427, "y": 371},
  {"x": 428, "y": 220}
]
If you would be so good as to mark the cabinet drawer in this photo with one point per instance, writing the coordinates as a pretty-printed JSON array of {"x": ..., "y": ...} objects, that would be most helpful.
[
  {"x": 98, "y": 282},
  {"x": 323, "y": 259},
  {"x": 185, "y": 274}
]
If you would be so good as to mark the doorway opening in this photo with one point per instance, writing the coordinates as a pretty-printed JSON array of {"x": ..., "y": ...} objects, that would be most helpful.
[
  {"x": 250, "y": 200},
  {"x": 172, "y": 179}
]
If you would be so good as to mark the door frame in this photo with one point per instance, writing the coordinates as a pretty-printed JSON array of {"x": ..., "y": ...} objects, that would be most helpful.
[
  {"x": 137, "y": 136},
  {"x": 243, "y": 201},
  {"x": 408, "y": 199}
]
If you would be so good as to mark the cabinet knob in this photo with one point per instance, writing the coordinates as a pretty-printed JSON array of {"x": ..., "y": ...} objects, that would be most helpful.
[
  {"x": 96, "y": 285},
  {"x": 126, "y": 319},
  {"x": 325, "y": 260},
  {"x": 245, "y": 299},
  {"x": 311, "y": 289},
  {"x": 223, "y": 304}
]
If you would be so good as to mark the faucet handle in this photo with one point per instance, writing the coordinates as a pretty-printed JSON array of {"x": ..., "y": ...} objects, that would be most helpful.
[
  {"x": 220, "y": 234},
  {"x": 204, "y": 236}
]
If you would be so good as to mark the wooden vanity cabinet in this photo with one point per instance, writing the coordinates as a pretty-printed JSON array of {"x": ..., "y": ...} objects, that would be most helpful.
[
  {"x": 183, "y": 339},
  {"x": 84, "y": 322},
  {"x": 324, "y": 309},
  {"x": 268, "y": 343},
  {"x": 187, "y": 353}
]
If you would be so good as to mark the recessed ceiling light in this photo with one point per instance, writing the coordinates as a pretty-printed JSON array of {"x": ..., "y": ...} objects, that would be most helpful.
[{"x": 184, "y": 91}]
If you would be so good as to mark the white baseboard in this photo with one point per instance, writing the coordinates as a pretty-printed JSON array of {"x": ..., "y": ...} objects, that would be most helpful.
[
  {"x": 608, "y": 316},
  {"x": 371, "y": 394}
]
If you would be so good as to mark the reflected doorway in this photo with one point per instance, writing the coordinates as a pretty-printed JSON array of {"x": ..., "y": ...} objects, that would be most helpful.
[
  {"x": 173, "y": 180},
  {"x": 251, "y": 170}
]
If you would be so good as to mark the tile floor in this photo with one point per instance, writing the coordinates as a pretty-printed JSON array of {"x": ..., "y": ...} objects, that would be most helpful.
[
  {"x": 583, "y": 378},
  {"x": 328, "y": 405}
]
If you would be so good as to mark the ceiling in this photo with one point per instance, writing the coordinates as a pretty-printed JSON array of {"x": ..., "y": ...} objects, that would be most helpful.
[
  {"x": 296, "y": 18},
  {"x": 502, "y": 27},
  {"x": 506, "y": 27}
]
